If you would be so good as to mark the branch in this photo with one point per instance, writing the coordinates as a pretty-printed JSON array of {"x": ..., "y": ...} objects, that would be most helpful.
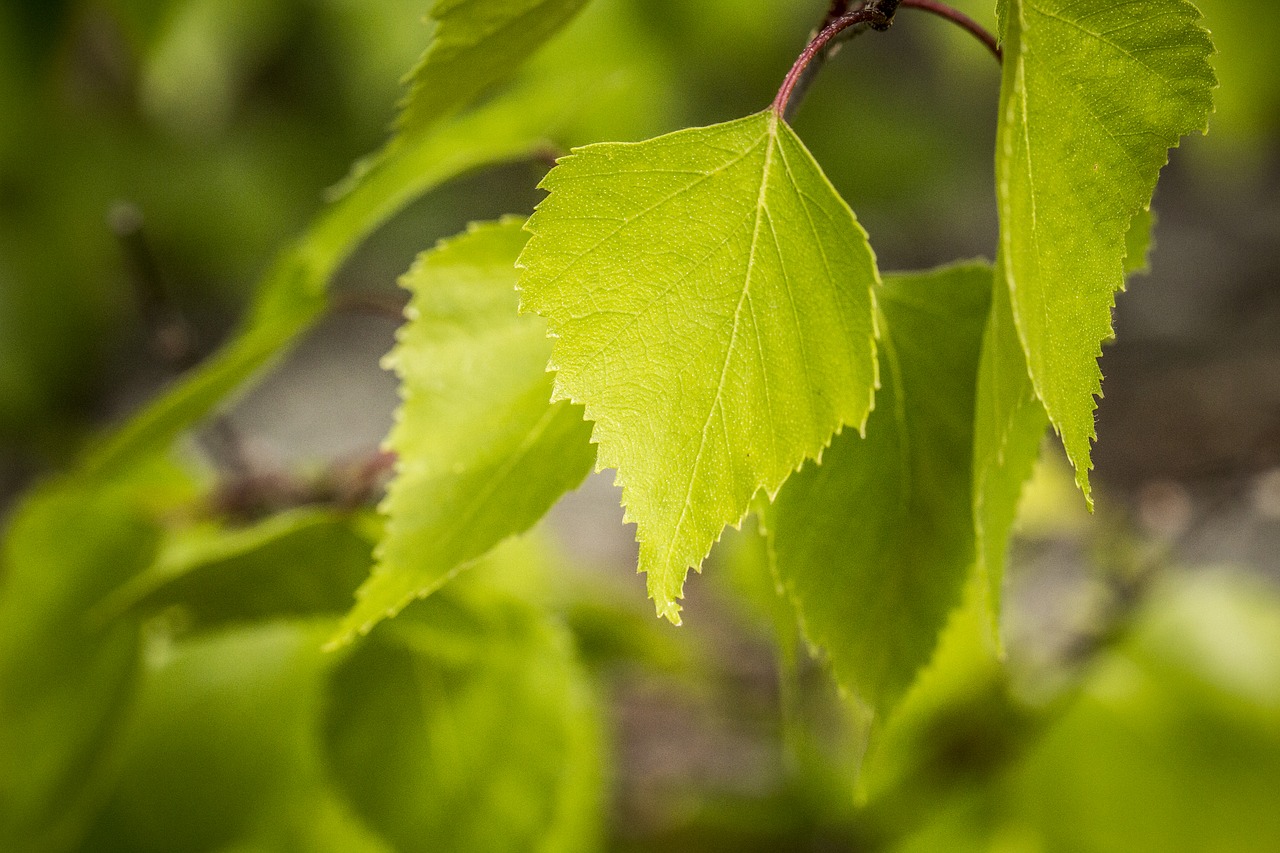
[
  {"x": 818, "y": 45},
  {"x": 959, "y": 18},
  {"x": 842, "y": 23}
]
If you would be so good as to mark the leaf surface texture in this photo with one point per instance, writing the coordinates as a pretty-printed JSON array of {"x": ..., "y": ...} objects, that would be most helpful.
[
  {"x": 711, "y": 299},
  {"x": 483, "y": 454},
  {"x": 1094, "y": 94}
]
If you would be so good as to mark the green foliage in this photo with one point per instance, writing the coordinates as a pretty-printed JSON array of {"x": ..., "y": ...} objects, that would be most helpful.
[
  {"x": 718, "y": 332},
  {"x": 292, "y": 295},
  {"x": 483, "y": 455},
  {"x": 1093, "y": 97},
  {"x": 473, "y": 46},
  {"x": 876, "y": 594},
  {"x": 710, "y": 298},
  {"x": 64, "y": 676}
]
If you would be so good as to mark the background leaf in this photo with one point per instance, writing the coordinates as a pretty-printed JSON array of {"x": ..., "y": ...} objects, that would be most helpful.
[
  {"x": 64, "y": 678},
  {"x": 874, "y": 543},
  {"x": 292, "y": 295},
  {"x": 482, "y": 452},
  {"x": 710, "y": 298},
  {"x": 1093, "y": 96},
  {"x": 477, "y": 43}
]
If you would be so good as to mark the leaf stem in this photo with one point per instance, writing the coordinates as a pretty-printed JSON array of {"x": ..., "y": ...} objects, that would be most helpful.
[
  {"x": 878, "y": 14},
  {"x": 959, "y": 18},
  {"x": 816, "y": 46}
]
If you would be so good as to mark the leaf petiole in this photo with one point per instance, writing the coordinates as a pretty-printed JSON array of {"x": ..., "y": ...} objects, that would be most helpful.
[{"x": 878, "y": 14}]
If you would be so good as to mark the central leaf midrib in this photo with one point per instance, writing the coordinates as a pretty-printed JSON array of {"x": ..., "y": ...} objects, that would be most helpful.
[{"x": 771, "y": 140}]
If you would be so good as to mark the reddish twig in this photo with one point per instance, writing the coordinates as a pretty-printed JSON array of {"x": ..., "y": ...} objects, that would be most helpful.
[
  {"x": 817, "y": 45},
  {"x": 959, "y": 18}
]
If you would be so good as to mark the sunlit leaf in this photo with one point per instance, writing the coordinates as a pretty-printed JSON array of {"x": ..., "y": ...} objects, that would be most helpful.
[
  {"x": 710, "y": 298},
  {"x": 1094, "y": 94}
]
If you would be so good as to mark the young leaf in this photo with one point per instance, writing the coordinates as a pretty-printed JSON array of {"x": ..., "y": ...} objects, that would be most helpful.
[
  {"x": 711, "y": 299},
  {"x": 482, "y": 454},
  {"x": 873, "y": 545},
  {"x": 476, "y": 44},
  {"x": 1094, "y": 94}
]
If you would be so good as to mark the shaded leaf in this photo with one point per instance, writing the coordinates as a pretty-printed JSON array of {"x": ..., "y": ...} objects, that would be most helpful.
[
  {"x": 304, "y": 561},
  {"x": 873, "y": 545},
  {"x": 710, "y": 298}
]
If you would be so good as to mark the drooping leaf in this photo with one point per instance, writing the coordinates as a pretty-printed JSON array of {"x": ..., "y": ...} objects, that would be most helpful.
[
  {"x": 1009, "y": 427},
  {"x": 873, "y": 545},
  {"x": 710, "y": 298},
  {"x": 1093, "y": 96},
  {"x": 477, "y": 43},
  {"x": 292, "y": 295},
  {"x": 482, "y": 453}
]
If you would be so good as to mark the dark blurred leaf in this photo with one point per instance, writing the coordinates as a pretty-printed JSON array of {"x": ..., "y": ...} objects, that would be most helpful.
[
  {"x": 64, "y": 679},
  {"x": 300, "y": 562}
]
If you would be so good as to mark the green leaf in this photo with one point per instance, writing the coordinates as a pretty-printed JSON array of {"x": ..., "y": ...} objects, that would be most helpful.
[
  {"x": 710, "y": 298},
  {"x": 482, "y": 454},
  {"x": 226, "y": 750},
  {"x": 873, "y": 544},
  {"x": 476, "y": 44},
  {"x": 466, "y": 725},
  {"x": 65, "y": 679},
  {"x": 1009, "y": 427},
  {"x": 1139, "y": 242},
  {"x": 292, "y": 295},
  {"x": 300, "y": 562},
  {"x": 1094, "y": 94}
]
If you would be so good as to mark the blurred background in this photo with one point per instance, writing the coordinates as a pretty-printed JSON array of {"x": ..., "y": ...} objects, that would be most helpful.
[{"x": 155, "y": 154}]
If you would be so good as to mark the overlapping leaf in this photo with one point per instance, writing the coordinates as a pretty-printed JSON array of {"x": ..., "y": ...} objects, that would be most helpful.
[
  {"x": 1010, "y": 423},
  {"x": 1094, "y": 94},
  {"x": 711, "y": 299},
  {"x": 482, "y": 453},
  {"x": 874, "y": 544},
  {"x": 1009, "y": 426}
]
